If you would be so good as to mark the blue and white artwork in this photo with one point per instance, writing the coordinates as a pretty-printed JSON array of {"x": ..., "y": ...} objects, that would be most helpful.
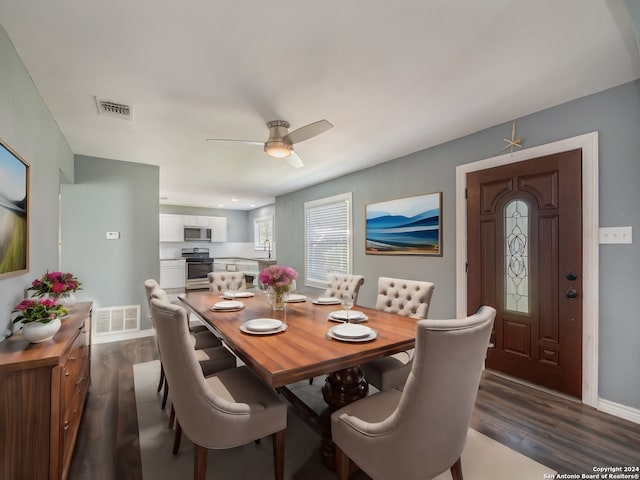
[
  {"x": 14, "y": 238},
  {"x": 406, "y": 226}
]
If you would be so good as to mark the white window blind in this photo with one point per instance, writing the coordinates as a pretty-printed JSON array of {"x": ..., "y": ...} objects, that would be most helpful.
[{"x": 327, "y": 238}]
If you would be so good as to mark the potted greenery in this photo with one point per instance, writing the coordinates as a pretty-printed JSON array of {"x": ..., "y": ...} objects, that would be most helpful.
[
  {"x": 40, "y": 318},
  {"x": 57, "y": 285}
]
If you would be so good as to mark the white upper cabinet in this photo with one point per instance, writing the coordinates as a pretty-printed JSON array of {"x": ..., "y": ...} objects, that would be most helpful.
[
  {"x": 171, "y": 228},
  {"x": 218, "y": 229},
  {"x": 196, "y": 221}
]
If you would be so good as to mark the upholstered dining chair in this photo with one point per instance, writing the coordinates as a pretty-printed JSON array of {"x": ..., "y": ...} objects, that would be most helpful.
[
  {"x": 220, "y": 282},
  {"x": 419, "y": 432},
  {"x": 223, "y": 410},
  {"x": 341, "y": 283},
  {"x": 212, "y": 355},
  {"x": 410, "y": 298}
]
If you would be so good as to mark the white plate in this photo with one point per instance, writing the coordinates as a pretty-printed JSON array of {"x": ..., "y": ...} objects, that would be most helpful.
[
  {"x": 296, "y": 297},
  {"x": 238, "y": 294},
  {"x": 281, "y": 328},
  {"x": 372, "y": 335},
  {"x": 228, "y": 305},
  {"x": 326, "y": 301},
  {"x": 262, "y": 324},
  {"x": 354, "y": 315},
  {"x": 350, "y": 330}
]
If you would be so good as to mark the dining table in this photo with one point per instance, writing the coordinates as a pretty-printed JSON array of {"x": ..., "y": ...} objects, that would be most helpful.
[{"x": 304, "y": 347}]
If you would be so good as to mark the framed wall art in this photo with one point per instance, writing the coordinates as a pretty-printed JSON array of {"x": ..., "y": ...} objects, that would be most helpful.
[
  {"x": 406, "y": 226},
  {"x": 14, "y": 212}
]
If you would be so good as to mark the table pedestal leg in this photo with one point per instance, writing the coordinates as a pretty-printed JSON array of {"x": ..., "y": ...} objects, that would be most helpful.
[{"x": 339, "y": 389}]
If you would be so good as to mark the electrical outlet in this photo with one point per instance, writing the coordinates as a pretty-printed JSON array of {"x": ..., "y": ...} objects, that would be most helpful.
[
  {"x": 615, "y": 235},
  {"x": 113, "y": 235}
]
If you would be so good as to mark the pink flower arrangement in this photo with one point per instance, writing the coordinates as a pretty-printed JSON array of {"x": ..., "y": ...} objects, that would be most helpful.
[
  {"x": 55, "y": 284},
  {"x": 43, "y": 310},
  {"x": 278, "y": 277}
]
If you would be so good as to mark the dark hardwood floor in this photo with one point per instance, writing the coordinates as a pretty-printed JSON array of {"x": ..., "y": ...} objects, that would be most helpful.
[{"x": 561, "y": 434}]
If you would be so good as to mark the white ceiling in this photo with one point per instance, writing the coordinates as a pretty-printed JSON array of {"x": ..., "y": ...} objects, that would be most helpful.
[{"x": 394, "y": 77}]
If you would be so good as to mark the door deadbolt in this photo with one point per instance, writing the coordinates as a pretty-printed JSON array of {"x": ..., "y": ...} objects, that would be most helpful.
[{"x": 571, "y": 293}]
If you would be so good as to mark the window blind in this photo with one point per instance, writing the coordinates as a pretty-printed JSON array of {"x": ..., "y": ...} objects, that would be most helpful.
[{"x": 327, "y": 238}]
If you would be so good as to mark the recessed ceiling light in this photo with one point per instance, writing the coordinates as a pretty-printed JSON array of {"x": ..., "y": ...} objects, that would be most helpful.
[
  {"x": 252, "y": 205},
  {"x": 221, "y": 205},
  {"x": 234, "y": 199}
]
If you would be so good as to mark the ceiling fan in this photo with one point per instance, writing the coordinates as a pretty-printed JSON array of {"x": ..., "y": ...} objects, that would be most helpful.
[{"x": 281, "y": 140}]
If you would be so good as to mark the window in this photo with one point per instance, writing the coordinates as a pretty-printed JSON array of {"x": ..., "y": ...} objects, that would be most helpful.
[
  {"x": 516, "y": 253},
  {"x": 327, "y": 238},
  {"x": 263, "y": 231}
]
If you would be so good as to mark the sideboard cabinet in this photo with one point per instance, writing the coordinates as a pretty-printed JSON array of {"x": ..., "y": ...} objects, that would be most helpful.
[{"x": 43, "y": 387}]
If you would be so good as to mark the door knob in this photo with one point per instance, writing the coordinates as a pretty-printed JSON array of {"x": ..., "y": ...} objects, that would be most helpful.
[
  {"x": 571, "y": 276},
  {"x": 571, "y": 293}
]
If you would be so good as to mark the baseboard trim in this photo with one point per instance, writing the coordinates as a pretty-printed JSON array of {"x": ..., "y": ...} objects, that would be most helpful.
[
  {"x": 117, "y": 337},
  {"x": 619, "y": 410}
]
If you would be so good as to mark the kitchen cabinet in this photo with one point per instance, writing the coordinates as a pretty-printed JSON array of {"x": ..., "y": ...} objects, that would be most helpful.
[
  {"x": 43, "y": 387},
  {"x": 218, "y": 229},
  {"x": 171, "y": 228},
  {"x": 172, "y": 273},
  {"x": 196, "y": 221}
]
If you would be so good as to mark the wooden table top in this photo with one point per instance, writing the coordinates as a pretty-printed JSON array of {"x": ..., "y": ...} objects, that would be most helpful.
[{"x": 303, "y": 350}]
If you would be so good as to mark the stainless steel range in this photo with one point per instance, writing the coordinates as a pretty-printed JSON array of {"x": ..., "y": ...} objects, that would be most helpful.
[{"x": 198, "y": 265}]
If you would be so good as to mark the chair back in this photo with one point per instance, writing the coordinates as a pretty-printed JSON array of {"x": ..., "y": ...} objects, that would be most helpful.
[
  {"x": 410, "y": 298},
  {"x": 220, "y": 282},
  {"x": 341, "y": 283},
  {"x": 434, "y": 412}
]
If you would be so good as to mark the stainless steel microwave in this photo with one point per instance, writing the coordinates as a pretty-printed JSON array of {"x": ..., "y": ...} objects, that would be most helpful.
[{"x": 197, "y": 234}]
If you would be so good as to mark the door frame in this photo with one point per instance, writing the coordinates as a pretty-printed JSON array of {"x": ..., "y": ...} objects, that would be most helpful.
[{"x": 590, "y": 300}]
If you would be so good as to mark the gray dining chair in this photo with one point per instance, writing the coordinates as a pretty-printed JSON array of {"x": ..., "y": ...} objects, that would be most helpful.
[
  {"x": 219, "y": 411},
  {"x": 419, "y": 432},
  {"x": 220, "y": 282},
  {"x": 342, "y": 283},
  {"x": 410, "y": 298}
]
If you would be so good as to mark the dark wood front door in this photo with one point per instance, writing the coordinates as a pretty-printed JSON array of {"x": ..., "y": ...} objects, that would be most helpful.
[{"x": 524, "y": 253}]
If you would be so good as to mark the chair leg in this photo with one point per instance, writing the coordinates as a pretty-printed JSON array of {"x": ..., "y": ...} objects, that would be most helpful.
[
  {"x": 177, "y": 438},
  {"x": 342, "y": 464},
  {"x": 278, "y": 455},
  {"x": 310, "y": 381},
  {"x": 200, "y": 463},
  {"x": 165, "y": 395},
  {"x": 456, "y": 470},
  {"x": 172, "y": 417},
  {"x": 161, "y": 378}
]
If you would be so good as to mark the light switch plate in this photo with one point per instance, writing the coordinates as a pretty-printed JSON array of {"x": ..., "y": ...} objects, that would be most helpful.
[
  {"x": 113, "y": 235},
  {"x": 615, "y": 235}
]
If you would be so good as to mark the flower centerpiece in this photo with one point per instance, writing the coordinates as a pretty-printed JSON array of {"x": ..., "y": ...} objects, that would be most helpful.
[
  {"x": 41, "y": 318},
  {"x": 279, "y": 279},
  {"x": 55, "y": 284}
]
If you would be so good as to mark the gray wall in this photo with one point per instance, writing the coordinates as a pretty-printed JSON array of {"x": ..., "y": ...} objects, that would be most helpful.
[
  {"x": 614, "y": 113},
  {"x": 27, "y": 126},
  {"x": 112, "y": 196}
]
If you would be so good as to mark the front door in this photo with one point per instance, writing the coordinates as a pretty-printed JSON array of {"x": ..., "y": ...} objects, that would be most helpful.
[{"x": 524, "y": 253}]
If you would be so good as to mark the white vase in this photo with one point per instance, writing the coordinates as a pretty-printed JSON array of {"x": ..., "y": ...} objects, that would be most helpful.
[{"x": 37, "y": 332}]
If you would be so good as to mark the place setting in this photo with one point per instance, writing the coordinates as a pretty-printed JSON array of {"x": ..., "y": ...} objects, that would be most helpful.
[
  {"x": 263, "y": 326},
  {"x": 326, "y": 301},
  {"x": 227, "y": 306},
  {"x": 241, "y": 294},
  {"x": 352, "y": 332},
  {"x": 296, "y": 298}
]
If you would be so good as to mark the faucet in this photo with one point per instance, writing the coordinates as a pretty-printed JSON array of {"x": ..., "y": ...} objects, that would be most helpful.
[{"x": 267, "y": 243}]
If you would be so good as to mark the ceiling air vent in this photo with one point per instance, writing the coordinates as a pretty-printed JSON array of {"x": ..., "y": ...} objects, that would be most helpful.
[{"x": 114, "y": 109}]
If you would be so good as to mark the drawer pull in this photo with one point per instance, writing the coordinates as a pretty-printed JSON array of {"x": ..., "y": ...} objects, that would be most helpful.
[
  {"x": 72, "y": 358},
  {"x": 66, "y": 425},
  {"x": 66, "y": 372}
]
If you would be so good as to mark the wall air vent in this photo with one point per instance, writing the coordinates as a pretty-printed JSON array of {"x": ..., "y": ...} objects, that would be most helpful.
[
  {"x": 114, "y": 320},
  {"x": 114, "y": 109}
]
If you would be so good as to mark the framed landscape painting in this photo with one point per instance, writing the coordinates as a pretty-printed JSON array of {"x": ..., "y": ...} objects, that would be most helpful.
[
  {"x": 14, "y": 212},
  {"x": 406, "y": 226}
]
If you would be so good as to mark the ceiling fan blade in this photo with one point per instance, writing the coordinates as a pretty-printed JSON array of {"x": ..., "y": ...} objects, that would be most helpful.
[
  {"x": 230, "y": 140},
  {"x": 294, "y": 160},
  {"x": 308, "y": 131}
]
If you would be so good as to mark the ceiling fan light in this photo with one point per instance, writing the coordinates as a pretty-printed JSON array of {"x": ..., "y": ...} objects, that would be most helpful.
[{"x": 277, "y": 149}]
